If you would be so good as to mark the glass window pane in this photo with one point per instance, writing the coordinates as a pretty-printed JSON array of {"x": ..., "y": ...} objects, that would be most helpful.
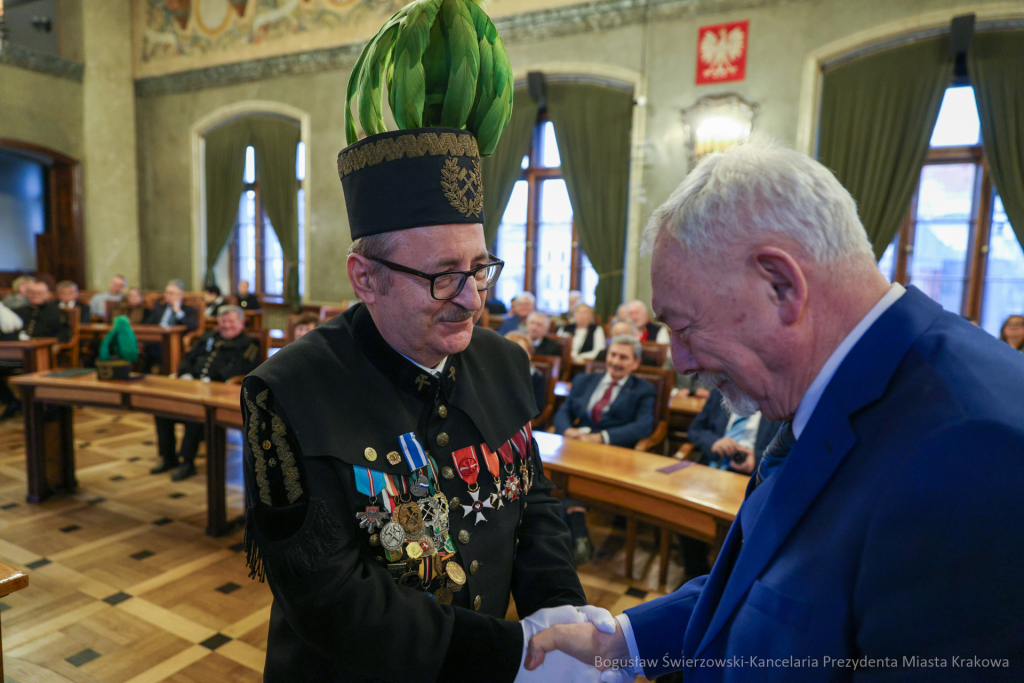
[
  {"x": 549, "y": 157},
  {"x": 273, "y": 259},
  {"x": 938, "y": 264},
  {"x": 250, "y": 165},
  {"x": 302, "y": 241},
  {"x": 555, "y": 249},
  {"x": 300, "y": 161},
  {"x": 246, "y": 236},
  {"x": 588, "y": 280},
  {"x": 1004, "y": 275},
  {"x": 887, "y": 264},
  {"x": 958, "y": 122},
  {"x": 510, "y": 246}
]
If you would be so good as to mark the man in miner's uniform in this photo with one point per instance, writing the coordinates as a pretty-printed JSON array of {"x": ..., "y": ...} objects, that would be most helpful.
[{"x": 395, "y": 495}]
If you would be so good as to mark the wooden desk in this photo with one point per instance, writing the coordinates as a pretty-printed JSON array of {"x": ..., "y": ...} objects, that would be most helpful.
[
  {"x": 49, "y": 438},
  {"x": 686, "y": 405},
  {"x": 697, "y": 501},
  {"x": 11, "y": 580},
  {"x": 169, "y": 339},
  {"x": 34, "y": 354}
]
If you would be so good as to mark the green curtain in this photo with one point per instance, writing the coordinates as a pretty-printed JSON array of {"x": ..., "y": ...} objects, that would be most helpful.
[
  {"x": 274, "y": 141},
  {"x": 225, "y": 164},
  {"x": 995, "y": 65},
  {"x": 877, "y": 116},
  {"x": 502, "y": 169},
  {"x": 592, "y": 126}
]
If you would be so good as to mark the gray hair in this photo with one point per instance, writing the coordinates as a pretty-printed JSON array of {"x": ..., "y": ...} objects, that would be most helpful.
[
  {"x": 538, "y": 314},
  {"x": 380, "y": 246},
  {"x": 226, "y": 309},
  {"x": 625, "y": 321},
  {"x": 528, "y": 296},
  {"x": 631, "y": 342},
  {"x": 759, "y": 188},
  {"x": 176, "y": 282}
]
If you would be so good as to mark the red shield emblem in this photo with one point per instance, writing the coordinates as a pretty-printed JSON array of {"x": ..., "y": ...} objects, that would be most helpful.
[{"x": 722, "y": 52}]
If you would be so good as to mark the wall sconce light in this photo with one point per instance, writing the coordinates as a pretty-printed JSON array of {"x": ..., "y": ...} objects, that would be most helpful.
[{"x": 716, "y": 123}]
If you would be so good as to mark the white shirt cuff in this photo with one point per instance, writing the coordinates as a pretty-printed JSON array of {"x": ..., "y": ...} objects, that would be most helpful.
[
  {"x": 634, "y": 653},
  {"x": 604, "y": 435}
]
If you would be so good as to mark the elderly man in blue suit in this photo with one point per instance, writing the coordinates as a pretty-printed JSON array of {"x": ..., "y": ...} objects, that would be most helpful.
[
  {"x": 612, "y": 407},
  {"x": 874, "y": 543}
]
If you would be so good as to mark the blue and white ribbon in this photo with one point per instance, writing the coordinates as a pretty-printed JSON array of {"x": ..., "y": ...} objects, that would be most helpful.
[{"x": 415, "y": 457}]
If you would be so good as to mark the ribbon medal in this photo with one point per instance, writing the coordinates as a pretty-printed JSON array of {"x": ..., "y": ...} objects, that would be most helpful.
[
  {"x": 478, "y": 507},
  {"x": 494, "y": 467},
  {"x": 370, "y": 483},
  {"x": 467, "y": 465}
]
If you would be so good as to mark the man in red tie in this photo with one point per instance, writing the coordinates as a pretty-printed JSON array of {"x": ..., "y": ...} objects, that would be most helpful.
[{"x": 612, "y": 407}]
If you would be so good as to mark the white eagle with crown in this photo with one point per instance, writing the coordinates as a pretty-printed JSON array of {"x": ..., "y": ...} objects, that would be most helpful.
[{"x": 720, "y": 50}]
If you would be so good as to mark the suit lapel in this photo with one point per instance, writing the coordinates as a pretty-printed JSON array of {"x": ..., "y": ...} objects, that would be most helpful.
[{"x": 860, "y": 379}]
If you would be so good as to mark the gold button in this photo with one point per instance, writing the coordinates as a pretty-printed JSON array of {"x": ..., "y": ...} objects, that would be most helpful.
[
  {"x": 463, "y": 537},
  {"x": 474, "y": 566},
  {"x": 442, "y": 439},
  {"x": 266, "y": 445},
  {"x": 447, "y": 472},
  {"x": 453, "y": 502},
  {"x": 442, "y": 412},
  {"x": 476, "y": 602},
  {"x": 370, "y": 454},
  {"x": 394, "y": 458},
  {"x": 374, "y": 540}
]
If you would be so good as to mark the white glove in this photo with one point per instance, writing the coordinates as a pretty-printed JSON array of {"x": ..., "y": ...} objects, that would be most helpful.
[{"x": 559, "y": 667}]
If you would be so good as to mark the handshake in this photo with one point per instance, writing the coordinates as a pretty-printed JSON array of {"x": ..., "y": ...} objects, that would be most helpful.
[{"x": 578, "y": 644}]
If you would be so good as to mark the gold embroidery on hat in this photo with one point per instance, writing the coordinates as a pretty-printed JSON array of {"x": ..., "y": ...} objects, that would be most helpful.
[
  {"x": 457, "y": 182},
  {"x": 390, "y": 149}
]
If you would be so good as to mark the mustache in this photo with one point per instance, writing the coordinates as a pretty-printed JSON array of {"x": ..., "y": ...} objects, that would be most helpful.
[
  {"x": 454, "y": 313},
  {"x": 711, "y": 380}
]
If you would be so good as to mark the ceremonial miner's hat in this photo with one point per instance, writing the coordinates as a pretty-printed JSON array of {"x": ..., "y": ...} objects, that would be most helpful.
[{"x": 449, "y": 83}]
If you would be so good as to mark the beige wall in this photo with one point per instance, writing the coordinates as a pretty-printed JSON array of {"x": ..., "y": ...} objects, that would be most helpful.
[
  {"x": 41, "y": 109},
  {"x": 781, "y": 37},
  {"x": 110, "y": 177}
]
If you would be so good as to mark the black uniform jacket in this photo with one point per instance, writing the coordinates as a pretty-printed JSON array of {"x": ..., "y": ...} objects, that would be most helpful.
[
  {"x": 220, "y": 359},
  {"x": 45, "y": 320},
  {"x": 338, "y": 399}
]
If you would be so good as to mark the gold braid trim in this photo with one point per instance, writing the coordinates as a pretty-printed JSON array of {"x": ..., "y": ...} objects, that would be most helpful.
[
  {"x": 259, "y": 458},
  {"x": 291, "y": 472},
  {"x": 390, "y": 149}
]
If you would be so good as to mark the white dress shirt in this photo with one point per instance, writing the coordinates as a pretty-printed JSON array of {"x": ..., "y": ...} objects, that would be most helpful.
[
  {"x": 435, "y": 371},
  {"x": 580, "y": 336},
  {"x": 803, "y": 412}
]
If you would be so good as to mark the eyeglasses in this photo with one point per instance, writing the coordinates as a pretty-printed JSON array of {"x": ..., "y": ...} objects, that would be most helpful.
[{"x": 449, "y": 284}]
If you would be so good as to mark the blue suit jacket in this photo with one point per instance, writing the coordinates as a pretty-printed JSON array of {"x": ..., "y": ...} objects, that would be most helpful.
[
  {"x": 894, "y": 529},
  {"x": 709, "y": 426},
  {"x": 509, "y": 324},
  {"x": 628, "y": 419}
]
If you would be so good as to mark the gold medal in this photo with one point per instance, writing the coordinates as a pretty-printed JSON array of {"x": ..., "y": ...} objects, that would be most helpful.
[
  {"x": 393, "y": 555},
  {"x": 410, "y": 517},
  {"x": 414, "y": 551},
  {"x": 456, "y": 575},
  {"x": 443, "y": 596},
  {"x": 393, "y": 458}
]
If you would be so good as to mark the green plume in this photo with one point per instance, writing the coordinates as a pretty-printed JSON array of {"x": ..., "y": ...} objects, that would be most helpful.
[
  {"x": 444, "y": 65},
  {"x": 120, "y": 342}
]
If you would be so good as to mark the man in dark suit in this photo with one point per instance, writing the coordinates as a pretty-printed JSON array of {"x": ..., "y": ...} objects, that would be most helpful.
[
  {"x": 170, "y": 311},
  {"x": 42, "y": 317},
  {"x": 870, "y": 537},
  {"x": 216, "y": 356},
  {"x": 723, "y": 436},
  {"x": 246, "y": 299},
  {"x": 537, "y": 327},
  {"x": 612, "y": 407},
  {"x": 522, "y": 306},
  {"x": 67, "y": 299}
]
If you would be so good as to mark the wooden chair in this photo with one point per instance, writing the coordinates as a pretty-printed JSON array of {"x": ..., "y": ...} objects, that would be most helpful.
[
  {"x": 328, "y": 312},
  {"x": 566, "y": 344},
  {"x": 655, "y": 354},
  {"x": 663, "y": 381},
  {"x": 549, "y": 365},
  {"x": 70, "y": 349}
]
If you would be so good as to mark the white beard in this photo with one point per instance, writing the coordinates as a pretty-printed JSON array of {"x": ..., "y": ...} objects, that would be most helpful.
[{"x": 734, "y": 400}]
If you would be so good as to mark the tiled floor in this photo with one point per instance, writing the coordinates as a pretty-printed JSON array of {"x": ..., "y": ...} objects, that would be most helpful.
[{"x": 125, "y": 586}]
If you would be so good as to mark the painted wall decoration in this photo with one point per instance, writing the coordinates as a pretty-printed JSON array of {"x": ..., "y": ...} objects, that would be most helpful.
[
  {"x": 196, "y": 28},
  {"x": 722, "y": 52}
]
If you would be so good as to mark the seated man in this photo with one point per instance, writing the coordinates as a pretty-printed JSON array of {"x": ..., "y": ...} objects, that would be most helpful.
[
  {"x": 115, "y": 290},
  {"x": 307, "y": 322},
  {"x": 246, "y": 299},
  {"x": 212, "y": 299},
  {"x": 216, "y": 356},
  {"x": 638, "y": 314},
  {"x": 19, "y": 292},
  {"x": 42, "y": 317},
  {"x": 728, "y": 441},
  {"x": 537, "y": 327},
  {"x": 540, "y": 382},
  {"x": 614, "y": 407},
  {"x": 522, "y": 306},
  {"x": 10, "y": 325},
  {"x": 171, "y": 311},
  {"x": 587, "y": 335},
  {"x": 67, "y": 299}
]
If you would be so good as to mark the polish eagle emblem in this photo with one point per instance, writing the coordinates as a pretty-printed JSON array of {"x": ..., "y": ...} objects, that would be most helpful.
[{"x": 719, "y": 52}]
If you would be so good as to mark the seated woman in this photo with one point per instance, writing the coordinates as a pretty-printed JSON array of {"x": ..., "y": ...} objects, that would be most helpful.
[
  {"x": 587, "y": 336},
  {"x": 1012, "y": 332}
]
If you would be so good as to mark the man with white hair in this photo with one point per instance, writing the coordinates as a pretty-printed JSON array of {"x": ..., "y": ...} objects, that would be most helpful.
[
  {"x": 537, "y": 327},
  {"x": 869, "y": 537},
  {"x": 522, "y": 306}
]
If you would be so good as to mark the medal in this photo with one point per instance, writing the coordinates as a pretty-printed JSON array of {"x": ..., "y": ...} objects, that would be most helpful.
[
  {"x": 434, "y": 510},
  {"x": 456, "y": 576},
  {"x": 494, "y": 467},
  {"x": 420, "y": 487},
  {"x": 393, "y": 555},
  {"x": 511, "y": 491},
  {"x": 414, "y": 551},
  {"x": 413, "y": 452},
  {"x": 466, "y": 464},
  {"x": 478, "y": 506},
  {"x": 443, "y": 596},
  {"x": 410, "y": 517},
  {"x": 372, "y": 518},
  {"x": 392, "y": 535}
]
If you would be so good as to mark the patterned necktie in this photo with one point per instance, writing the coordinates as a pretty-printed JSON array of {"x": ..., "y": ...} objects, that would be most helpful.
[
  {"x": 598, "y": 411},
  {"x": 776, "y": 451},
  {"x": 739, "y": 426}
]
